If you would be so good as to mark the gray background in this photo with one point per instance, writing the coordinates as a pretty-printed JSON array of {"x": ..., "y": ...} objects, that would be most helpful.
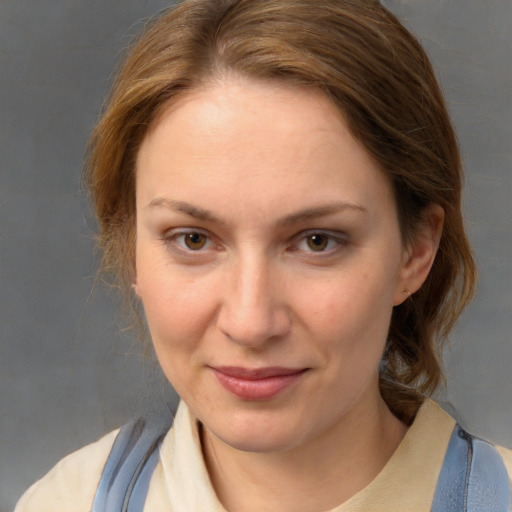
[{"x": 67, "y": 372}]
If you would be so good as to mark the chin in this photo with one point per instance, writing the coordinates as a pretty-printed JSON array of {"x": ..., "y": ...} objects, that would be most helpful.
[
  {"x": 259, "y": 442},
  {"x": 261, "y": 433}
]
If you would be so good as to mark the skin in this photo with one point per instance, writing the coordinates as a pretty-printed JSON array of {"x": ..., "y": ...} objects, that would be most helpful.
[{"x": 259, "y": 173}]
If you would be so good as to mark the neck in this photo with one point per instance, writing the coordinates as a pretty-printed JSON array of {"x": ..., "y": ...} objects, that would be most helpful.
[{"x": 315, "y": 476}]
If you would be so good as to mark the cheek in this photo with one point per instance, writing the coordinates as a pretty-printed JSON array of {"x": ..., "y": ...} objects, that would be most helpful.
[
  {"x": 351, "y": 313},
  {"x": 178, "y": 314},
  {"x": 176, "y": 306}
]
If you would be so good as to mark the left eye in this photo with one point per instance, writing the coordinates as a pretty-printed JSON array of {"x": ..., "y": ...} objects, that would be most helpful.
[{"x": 318, "y": 242}]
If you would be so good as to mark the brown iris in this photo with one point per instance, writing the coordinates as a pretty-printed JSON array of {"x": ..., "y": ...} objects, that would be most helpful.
[
  {"x": 195, "y": 241},
  {"x": 318, "y": 242}
]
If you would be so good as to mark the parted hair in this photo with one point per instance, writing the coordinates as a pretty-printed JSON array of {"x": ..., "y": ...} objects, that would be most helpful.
[{"x": 379, "y": 77}]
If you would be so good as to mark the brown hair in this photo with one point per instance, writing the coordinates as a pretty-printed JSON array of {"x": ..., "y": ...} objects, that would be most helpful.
[{"x": 379, "y": 77}]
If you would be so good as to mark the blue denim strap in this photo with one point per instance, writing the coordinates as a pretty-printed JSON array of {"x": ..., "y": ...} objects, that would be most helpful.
[
  {"x": 125, "y": 479},
  {"x": 473, "y": 477}
]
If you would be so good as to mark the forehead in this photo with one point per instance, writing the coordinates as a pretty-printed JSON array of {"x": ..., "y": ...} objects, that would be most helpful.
[
  {"x": 257, "y": 141},
  {"x": 242, "y": 103}
]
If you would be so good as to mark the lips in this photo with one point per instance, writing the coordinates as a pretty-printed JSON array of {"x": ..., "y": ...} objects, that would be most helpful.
[{"x": 257, "y": 384}]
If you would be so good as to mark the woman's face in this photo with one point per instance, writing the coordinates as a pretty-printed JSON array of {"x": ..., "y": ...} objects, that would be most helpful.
[{"x": 268, "y": 261}]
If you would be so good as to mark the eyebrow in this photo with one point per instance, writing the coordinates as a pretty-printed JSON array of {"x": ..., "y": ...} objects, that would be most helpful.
[
  {"x": 188, "y": 208},
  {"x": 294, "y": 218},
  {"x": 321, "y": 211}
]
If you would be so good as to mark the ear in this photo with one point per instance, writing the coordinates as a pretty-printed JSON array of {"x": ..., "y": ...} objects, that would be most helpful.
[{"x": 419, "y": 255}]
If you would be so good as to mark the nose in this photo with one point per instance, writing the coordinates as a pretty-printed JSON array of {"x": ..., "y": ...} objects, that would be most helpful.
[{"x": 254, "y": 308}]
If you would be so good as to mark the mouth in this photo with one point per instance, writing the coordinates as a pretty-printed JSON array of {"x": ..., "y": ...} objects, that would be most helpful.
[{"x": 257, "y": 384}]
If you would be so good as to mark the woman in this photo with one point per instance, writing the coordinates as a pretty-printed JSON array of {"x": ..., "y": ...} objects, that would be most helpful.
[{"x": 278, "y": 184}]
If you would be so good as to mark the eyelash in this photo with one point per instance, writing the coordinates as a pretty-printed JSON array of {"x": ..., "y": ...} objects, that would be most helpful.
[{"x": 333, "y": 241}]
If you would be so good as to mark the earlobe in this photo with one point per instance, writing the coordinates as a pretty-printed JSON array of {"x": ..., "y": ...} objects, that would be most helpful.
[
  {"x": 419, "y": 256},
  {"x": 135, "y": 282},
  {"x": 136, "y": 288}
]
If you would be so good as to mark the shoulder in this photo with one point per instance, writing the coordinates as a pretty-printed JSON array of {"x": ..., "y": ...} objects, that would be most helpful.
[
  {"x": 433, "y": 412},
  {"x": 70, "y": 486}
]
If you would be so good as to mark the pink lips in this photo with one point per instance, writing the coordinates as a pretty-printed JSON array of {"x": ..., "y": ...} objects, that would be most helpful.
[{"x": 256, "y": 384}]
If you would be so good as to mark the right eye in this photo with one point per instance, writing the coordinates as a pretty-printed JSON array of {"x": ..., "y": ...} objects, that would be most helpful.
[
  {"x": 189, "y": 241},
  {"x": 194, "y": 241}
]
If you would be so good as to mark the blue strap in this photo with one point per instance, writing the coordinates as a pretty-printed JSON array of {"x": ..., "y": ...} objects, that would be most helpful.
[
  {"x": 125, "y": 479},
  {"x": 488, "y": 485},
  {"x": 451, "y": 485},
  {"x": 473, "y": 477}
]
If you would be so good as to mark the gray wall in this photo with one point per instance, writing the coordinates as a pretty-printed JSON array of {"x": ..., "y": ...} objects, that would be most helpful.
[{"x": 67, "y": 373}]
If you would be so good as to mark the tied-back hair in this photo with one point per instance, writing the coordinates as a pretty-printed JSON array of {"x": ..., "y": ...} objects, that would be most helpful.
[{"x": 379, "y": 78}]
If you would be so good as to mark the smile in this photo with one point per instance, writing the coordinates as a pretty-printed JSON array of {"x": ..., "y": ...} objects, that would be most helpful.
[{"x": 257, "y": 384}]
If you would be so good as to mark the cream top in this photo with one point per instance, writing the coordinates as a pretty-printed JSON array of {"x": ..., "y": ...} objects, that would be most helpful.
[{"x": 181, "y": 483}]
